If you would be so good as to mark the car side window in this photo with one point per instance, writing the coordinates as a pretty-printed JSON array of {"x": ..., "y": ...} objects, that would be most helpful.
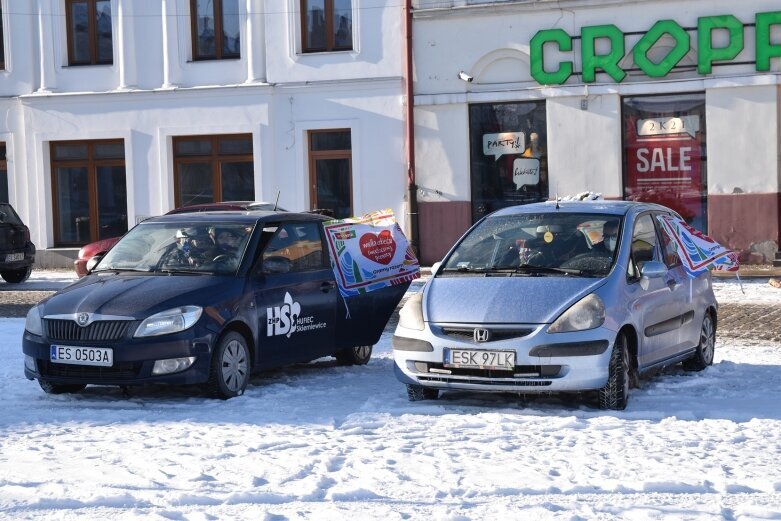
[
  {"x": 644, "y": 245},
  {"x": 294, "y": 247},
  {"x": 671, "y": 258}
]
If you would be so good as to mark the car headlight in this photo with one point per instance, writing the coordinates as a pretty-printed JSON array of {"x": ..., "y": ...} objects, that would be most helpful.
[
  {"x": 33, "y": 323},
  {"x": 411, "y": 314},
  {"x": 169, "y": 321},
  {"x": 587, "y": 313}
]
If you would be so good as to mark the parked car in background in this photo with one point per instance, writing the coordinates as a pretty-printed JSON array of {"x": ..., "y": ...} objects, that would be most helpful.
[
  {"x": 100, "y": 247},
  {"x": 550, "y": 297},
  {"x": 17, "y": 252},
  {"x": 203, "y": 298}
]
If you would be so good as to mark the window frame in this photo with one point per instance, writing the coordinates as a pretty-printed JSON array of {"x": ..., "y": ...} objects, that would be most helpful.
[
  {"x": 219, "y": 35},
  {"x": 633, "y": 270},
  {"x": 330, "y": 36},
  {"x": 2, "y": 39},
  {"x": 214, "y": 158},
  {"x": 91, "y": 163},
  {"x": 92, "y": 32},
  {"x": 316, "y": 155}
]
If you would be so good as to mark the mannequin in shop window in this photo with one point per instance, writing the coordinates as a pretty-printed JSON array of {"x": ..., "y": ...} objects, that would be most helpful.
[{"x": 535, "y": 150}]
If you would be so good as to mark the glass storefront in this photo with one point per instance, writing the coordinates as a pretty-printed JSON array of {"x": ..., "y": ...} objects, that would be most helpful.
[
  {"x": 508, "y": 153},
  {"x": 665, "y": 159}
]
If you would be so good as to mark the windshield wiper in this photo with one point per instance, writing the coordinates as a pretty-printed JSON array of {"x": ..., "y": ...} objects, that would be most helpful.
[
  {"x": 114, "y": 268},
  {"x": 170, "y": 271},
  {"x": 546, "y": 269}
]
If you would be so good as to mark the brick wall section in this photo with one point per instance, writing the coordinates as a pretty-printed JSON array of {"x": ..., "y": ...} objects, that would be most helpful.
[
  {"x": 749, "y": 224},
  {"x": 440, "y": 225}
]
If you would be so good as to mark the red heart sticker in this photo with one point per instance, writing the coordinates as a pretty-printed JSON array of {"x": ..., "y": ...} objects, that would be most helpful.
[{"x": 378, "y": 247}]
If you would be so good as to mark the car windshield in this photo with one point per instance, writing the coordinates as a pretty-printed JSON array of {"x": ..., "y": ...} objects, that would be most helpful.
[
  {"x": 176, "y": 247},
  {"x": 540, "y": 243}
]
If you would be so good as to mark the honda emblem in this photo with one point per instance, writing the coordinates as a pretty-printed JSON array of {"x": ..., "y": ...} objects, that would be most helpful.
[{"x": 482, "y": 335}]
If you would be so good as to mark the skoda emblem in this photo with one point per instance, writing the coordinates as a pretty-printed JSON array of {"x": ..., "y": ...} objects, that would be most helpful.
[
  {"x": 482, "y": 335},
  {"x": 82, "y": 319}
]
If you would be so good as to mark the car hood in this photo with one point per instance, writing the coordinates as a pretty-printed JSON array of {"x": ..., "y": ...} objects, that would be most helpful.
[
  {"x": 503, "y": 300},
  {"x": 139, "y": 296}
]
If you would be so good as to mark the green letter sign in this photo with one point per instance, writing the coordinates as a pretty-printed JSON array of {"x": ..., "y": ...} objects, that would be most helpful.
[
  {"x": 564, "y": 71},
  {"x": 607, "y": 62},
  {"x": 765, "y": 49},
  {"x": 649, "y": 39},
  {"x": 706, "y": 53}
]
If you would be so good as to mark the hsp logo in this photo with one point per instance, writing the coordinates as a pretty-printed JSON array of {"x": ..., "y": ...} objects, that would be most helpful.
[{"x": 281, "y": 320}]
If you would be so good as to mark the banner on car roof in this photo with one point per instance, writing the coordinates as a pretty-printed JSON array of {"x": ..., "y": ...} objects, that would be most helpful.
[
  {"x": 369, "y": 253},
  {"x": 697, "y": 251}
]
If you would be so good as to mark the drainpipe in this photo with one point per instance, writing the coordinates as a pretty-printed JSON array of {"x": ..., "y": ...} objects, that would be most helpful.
[{"x": 409, "y": 132}]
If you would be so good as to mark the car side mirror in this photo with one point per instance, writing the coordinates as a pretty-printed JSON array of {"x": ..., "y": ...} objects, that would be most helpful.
[
  {"x": 277, "y": 265},
  {"x": 435, "y": 268},
  {"x": 653, "y": 270},
  {"x": 94, "y": 262}
]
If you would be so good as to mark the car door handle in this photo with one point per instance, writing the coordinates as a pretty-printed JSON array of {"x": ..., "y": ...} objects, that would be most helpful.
[{"x": 327, "y": 286}]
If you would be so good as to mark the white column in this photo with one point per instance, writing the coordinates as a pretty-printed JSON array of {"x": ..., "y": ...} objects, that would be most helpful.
[
  {"x": 254, "y": 41},
  {"x": 48, "y": 81},
  {"x": 169, "y": 43}
]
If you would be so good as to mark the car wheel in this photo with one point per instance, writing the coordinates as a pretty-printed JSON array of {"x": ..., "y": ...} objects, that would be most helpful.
[
  {"x": 16, "y": 276},
  {"x": 615, "y": 394},
  {"x": 416, "y": 393},
  {"x": 358, "y": 355},
  {"x": 51, "y": 388},
  {"x": 703, "y": 356},
  {"x": 230, "y": 368}
]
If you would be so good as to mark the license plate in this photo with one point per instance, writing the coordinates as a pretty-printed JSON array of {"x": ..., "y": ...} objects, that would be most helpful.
[
  {"x": 12, "y": 257},
  {"x": 477, "y": 359},
  {"x": 75, "y": 355}
]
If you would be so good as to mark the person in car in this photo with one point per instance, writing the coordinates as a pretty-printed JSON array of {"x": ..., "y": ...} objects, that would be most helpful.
[
  {"x": 188, "y": 250},
  {"x": 609, "y": 238},
  {"x": 225, "y": 244}
]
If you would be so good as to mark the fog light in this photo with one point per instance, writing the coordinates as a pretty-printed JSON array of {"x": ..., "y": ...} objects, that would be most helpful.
[
  {"x": 172, "y": 365},
  {"x": 29, "y": 363}
]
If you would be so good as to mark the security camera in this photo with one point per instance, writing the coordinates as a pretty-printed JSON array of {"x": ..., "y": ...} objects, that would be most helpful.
[{"x": 464, "y": 76}]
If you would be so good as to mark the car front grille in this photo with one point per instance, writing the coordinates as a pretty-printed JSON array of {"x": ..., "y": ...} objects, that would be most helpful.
[
  {"x": 468, "y": 333},
  {"x": 120, "y": 370},
  {"x": 98, "y": 331}
]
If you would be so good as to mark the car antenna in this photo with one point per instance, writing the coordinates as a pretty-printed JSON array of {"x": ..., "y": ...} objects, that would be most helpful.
[
  {"x": 557, "y": 199},
  {"x": 276, "y": 203}
]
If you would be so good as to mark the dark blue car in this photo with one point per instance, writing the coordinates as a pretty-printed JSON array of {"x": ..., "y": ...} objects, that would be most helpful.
[{"x": 203, "y": 299}]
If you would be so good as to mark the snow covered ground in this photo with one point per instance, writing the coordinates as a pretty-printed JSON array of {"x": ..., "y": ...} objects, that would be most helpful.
[{"x": 319, "y": 441}]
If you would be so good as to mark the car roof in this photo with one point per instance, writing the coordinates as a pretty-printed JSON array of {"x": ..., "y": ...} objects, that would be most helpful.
[
  {"x": 599, "y": 206},
  {"x": 237, "y": 216}
]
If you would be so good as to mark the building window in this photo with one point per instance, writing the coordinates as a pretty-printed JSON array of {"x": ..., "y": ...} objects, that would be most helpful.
[
  {"x": 508, "y": 150},
  {"x": 326, "y": 25},
  {"x": 330, "y": 172},
  {"x": 89, "y": 32},
  {"x": 88, "y": 190},
  {"x": 3, "y": 175},
  {"x": 665, "y": 153},
  {"x": 2, "y": 42},
  {"x": 215, "y": 29},
  {"x": 210, "y": 169}
]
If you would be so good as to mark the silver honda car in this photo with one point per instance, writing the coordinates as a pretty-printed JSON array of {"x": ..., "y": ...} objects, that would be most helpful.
[{"x": 556, "y": 297}]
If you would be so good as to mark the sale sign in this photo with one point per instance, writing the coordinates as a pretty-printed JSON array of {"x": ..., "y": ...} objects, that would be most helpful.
[
  {"x": 664, "y": 162},
  {"x": 369, "y": 253}
]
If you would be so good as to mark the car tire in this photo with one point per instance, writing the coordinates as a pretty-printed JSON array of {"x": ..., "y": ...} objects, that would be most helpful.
[
  {"x": 52, "y": 388},
  {"x": 416, "y": 393},
  {"x": 16, "y": 276},
  {"x": 615, "y": 394},
  {"x": 358, "y": 355},
  {"x": 703, "y": 356},
  {"x": 230, "y": 368}
]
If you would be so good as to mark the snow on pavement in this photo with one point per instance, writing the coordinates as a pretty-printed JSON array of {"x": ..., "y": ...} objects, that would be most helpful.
[{"x": 318, "y": 441}]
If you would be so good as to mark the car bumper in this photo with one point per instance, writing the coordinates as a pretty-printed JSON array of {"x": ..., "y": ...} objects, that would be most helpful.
[
  {"x": 132, "y": 364},
  {"x": 28, "y": 260},
  {"x": 544, "y": 362}
]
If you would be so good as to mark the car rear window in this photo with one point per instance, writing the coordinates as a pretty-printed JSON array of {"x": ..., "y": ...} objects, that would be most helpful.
[{"x": 8, "y": 215}]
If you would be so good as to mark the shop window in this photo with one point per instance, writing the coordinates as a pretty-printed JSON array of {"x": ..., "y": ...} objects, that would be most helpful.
[
  {"x": 89, "y": 191},
  {"x": 216, "y": 31},
  {"x": 665, "y": 158},
  {"x": 210, "y": 169},
  {"x": 330, "y": 172},
  {"x": 326, "y": 25},
  {"x": 89, "y": 32},
  {"x": 3, "y": 175},
  {"x": 508, "y": 154}
]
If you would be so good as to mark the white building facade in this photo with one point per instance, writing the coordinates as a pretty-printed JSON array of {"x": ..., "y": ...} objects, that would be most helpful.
[
  {"x": 677, "y": 102},
  {"x": 115, "y": 110}
]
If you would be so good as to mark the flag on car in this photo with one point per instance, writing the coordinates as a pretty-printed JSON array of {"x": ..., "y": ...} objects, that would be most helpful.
[
  {"x": 697, "y": 251},
  {"x": 369, "y": 253}
]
